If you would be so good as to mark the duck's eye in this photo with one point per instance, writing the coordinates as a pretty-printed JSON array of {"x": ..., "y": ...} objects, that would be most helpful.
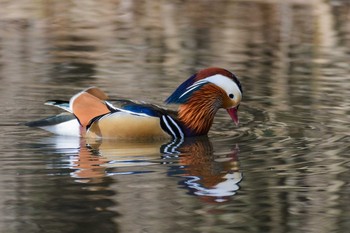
[{"x": 231, "y": 96}]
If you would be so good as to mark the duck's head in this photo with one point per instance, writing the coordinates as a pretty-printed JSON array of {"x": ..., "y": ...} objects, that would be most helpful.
[{"x": 204, "y": 93}]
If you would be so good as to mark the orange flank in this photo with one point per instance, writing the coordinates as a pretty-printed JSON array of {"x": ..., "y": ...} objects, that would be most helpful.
[{"x": 86, "y": 107}]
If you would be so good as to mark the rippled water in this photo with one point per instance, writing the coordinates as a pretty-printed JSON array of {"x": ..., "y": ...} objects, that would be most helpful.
[{"x": 285, "y": 169}]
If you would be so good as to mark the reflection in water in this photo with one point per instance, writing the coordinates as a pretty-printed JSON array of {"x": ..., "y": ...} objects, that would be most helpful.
[
  {"x": 293, "y": 60},
  {"x": 214, "y": 178},
  {"x": 207, "y": 175}
]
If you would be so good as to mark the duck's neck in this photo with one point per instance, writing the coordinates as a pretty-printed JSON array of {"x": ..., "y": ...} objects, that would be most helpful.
[{"x": 197, "y": 116}]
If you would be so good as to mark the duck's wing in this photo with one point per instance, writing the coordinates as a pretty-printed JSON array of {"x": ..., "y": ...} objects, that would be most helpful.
[
  {"x": 64, "y": 104},
  {"x": 132, "y": 119},
  {"x": 65, "y": 123},
  {"x": 89, "y": 114}
]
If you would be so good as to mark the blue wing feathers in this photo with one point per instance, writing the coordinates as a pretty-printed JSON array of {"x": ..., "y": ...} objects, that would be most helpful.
[
  {"x": 175, "y": 97},
  {"x": 142, "y": 109}
]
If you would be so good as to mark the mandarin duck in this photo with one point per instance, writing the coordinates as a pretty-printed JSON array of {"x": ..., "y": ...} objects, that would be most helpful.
[{"x": 89, "y": 114}]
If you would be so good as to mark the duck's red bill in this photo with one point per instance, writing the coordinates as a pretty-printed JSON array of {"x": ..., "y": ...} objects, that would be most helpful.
[{"x": 233, "y": 115}]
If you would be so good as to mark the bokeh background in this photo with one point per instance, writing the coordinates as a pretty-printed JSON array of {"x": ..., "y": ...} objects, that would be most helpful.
[{"x": 285, "y": 169}]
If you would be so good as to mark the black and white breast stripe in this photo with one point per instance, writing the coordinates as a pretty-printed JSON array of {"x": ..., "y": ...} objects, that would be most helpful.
[{"x": 170, "y": 126}]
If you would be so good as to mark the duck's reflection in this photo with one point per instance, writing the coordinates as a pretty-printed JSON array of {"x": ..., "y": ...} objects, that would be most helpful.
[
  {"x": 212, "y": 176},
  {"x": 88, "y": 167}
]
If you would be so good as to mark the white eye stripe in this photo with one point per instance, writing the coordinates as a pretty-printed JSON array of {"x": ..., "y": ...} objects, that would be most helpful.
[{"x": 227, "y": 84}]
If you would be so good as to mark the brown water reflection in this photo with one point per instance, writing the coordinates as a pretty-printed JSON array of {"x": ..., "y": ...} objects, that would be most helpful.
[
  {"x": 292, "y": 58},
  {"x": 212, "y": 177}
]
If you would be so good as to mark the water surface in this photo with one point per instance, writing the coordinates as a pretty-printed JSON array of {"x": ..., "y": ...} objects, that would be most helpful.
[{"x": 285, "y": 169}]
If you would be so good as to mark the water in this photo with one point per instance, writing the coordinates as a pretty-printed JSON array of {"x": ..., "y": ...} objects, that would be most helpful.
[{"x": 285, "y": 169}]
